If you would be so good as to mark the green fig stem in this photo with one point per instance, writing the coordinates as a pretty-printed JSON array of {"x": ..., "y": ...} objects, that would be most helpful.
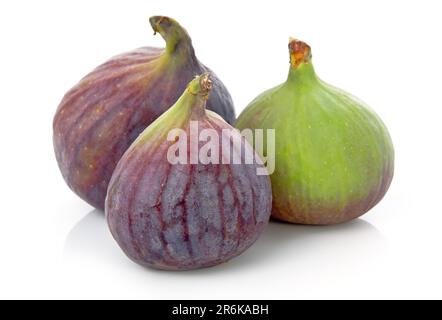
[
  {"x": 300, "y": 53},
  {"x": 301, "y": 66},
  {"x": 199, "y": 90},
  {"x": 176, "y": 37},
  {"x": 201, "y": 85}
]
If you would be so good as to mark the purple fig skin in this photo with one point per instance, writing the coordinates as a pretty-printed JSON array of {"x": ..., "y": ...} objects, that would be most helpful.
[
  {"x": 104, "y": 113},
  {"x": 185, "y": 216}
]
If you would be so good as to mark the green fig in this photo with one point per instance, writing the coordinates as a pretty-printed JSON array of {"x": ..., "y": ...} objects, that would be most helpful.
[{"x": 334, "y": 158}]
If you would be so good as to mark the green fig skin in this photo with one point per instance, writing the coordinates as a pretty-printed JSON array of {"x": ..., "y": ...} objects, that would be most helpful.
[
  {"x": 99, "y": 118},
  {"x": 334, "y": 158},
  {"x": 183, "y": 216}
]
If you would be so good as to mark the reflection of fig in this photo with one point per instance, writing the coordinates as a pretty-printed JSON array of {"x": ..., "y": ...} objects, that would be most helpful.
[
  {"x": 334, "y": 156},
  {"x": 103, "y": 114},
  {"x": 191, "y": 213}
]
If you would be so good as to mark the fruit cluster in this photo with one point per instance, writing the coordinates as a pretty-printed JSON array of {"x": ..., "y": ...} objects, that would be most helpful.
[{"x": 144, "y": 139}]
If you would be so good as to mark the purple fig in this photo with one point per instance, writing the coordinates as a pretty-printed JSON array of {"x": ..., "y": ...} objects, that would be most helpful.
[
  {"x": 103, "y": 114},
  {"x": 188, "y": 212}
]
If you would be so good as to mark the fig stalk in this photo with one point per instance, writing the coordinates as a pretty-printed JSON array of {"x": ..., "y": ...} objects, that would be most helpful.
[{"x": 176, "y": 37}]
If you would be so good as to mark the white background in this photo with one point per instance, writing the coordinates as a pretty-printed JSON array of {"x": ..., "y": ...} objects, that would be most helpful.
[{"x": 388, "y": 53}]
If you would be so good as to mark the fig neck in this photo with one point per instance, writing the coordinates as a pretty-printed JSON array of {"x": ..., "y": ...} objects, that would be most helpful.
[
  {"x": 178, "y": 42},
  {"x": 301, "y": 67},
  {"x": 197, "y": 94},
  {"x": 303, "y": 74}
]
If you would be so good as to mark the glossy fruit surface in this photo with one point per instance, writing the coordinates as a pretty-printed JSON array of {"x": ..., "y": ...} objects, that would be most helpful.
[
  {"x": 103, "y": 114},
  {"x": 192, "y": 213},
  {"x": 334, "y": 156}
]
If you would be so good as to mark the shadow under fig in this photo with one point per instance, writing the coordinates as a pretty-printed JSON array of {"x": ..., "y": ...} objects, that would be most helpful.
[
  {"x": 280, "y": 243},
  {"x": 296, "y": 244},
  {"x": 90, "y": 237}
]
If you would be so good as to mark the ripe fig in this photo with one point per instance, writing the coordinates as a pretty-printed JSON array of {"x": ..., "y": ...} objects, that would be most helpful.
[
  {"x": 334, "y": 156},
  {"x": 177, "y": 199},
  {"x": 103, "y": 114}
]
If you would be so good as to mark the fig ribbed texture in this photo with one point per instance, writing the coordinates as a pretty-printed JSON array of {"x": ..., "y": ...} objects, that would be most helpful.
[
  {"x": 104, "y": 113},
  {"x": 186, "y": 216},
  {"x": 334, "y": 157}
]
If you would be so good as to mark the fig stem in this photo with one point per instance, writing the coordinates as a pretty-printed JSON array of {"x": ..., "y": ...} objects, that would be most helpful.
[
  {"x": 300, "y": 52},
  {"x": 201, "y": 85},
  {"x": 176, "y": 37},
  {"x": 197, "y": 94}
]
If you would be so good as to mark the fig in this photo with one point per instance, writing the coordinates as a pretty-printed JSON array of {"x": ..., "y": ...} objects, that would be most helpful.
[
  {"x": 187, "y": 193},
  {"x": 103, "y": 114},
  {"x": 334, "y": 157}
]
